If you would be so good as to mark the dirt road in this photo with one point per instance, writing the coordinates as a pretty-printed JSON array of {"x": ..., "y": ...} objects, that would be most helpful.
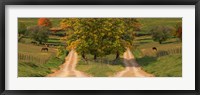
[
  {"x": 132, "y": 69},
  {"x": 67, "y": 69}
]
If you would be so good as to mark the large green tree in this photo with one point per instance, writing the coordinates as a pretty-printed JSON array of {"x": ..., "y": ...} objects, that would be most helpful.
[
  {"x": 99, "y": 36},
  {"x": 38, "y": 33},
  {"x": 161, "y": 33}
]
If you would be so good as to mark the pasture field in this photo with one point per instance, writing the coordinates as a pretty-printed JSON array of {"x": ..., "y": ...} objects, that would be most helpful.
[
  {"x": 34, "y": 63},
  {"x": 28, "y": 51},
  {"x": 170, "y": 64}
]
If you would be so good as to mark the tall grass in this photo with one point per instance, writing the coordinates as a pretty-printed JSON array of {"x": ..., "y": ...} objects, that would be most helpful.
[{"x": 24, "y": 57}]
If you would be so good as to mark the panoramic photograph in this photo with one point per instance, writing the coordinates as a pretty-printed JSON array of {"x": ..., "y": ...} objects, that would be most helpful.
[{"x": 99, "y": 47}]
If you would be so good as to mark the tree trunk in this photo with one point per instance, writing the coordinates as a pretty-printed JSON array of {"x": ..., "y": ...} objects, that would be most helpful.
[
  {"x": 160, "y": 42},
  {"x": 117, "y": 55},
  {"x": 95, "y": 57},
  {"x": 83, "y": 56},
  {"x": 40, "y": 42}
]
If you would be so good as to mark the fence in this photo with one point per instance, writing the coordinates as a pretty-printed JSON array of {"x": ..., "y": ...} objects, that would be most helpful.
[
  {"x": 159, "y": 53},
  {"x": 22, "y": 57}
]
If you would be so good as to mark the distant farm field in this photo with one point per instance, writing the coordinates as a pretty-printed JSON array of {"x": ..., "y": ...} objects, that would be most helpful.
[{"x": 148, "y": 23}]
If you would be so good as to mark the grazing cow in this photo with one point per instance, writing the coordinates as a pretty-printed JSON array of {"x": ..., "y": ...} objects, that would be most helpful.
[
  {"x": 154, "y": 48},
  {"x": 33, "y": 42},
  {"x": 44, "y": 48}
]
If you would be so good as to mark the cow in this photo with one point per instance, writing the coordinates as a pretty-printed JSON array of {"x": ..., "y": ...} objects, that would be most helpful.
[
  {"x": 44, "y": 49},
  {"x": 154, "y": 48},
  {"x": 33, "y": 42}
]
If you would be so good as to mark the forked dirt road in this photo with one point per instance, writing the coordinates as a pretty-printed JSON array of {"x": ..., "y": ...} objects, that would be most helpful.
[
  {"x": 132, "y": 68},
  {"x": 67, "y": 69}
]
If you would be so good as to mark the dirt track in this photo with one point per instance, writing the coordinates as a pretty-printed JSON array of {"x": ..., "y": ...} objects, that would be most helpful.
[
  {"x": 132, "y": 69},
  {"x": 67, "y": 69}
]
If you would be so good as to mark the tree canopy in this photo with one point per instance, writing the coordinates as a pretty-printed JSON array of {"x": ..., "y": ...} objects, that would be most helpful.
[
  {"x": 99, "y": 36},
  {"x": 162, "y": 33},
  {"x": 44, "y": 22},
  {"x": 38, "y": 33}
]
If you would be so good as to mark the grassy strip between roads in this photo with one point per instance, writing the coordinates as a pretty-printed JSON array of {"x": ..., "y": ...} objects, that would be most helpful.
[{"x": 100, "y": 68}]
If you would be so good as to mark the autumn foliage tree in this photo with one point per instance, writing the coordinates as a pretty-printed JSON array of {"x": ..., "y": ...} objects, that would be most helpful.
[
  {"x": 99, "y": 36},
  {"x": 44, "y": 22}
]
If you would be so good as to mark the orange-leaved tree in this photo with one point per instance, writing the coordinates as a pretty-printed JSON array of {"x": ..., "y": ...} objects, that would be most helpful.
[
  {"x": 179, "y": 30},
  {"x": 44, "y": 22}
]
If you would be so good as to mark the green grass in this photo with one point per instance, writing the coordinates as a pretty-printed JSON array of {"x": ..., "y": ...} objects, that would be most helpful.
[
  {"x": 165, "y": 66},
  {"x": 145, "y": 43},
  {"x": 102, "y": 68},
  {"x": 32, "y": 68},
  {"x": 28, "y": 69},
  {"x": 53, "y": 41}
]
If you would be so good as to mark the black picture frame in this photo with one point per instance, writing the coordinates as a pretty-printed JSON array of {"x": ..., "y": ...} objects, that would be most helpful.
[{"x": 3, "y": 3}]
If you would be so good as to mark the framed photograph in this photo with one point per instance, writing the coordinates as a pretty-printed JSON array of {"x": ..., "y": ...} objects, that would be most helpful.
[{"x": 58, "y": 47}]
